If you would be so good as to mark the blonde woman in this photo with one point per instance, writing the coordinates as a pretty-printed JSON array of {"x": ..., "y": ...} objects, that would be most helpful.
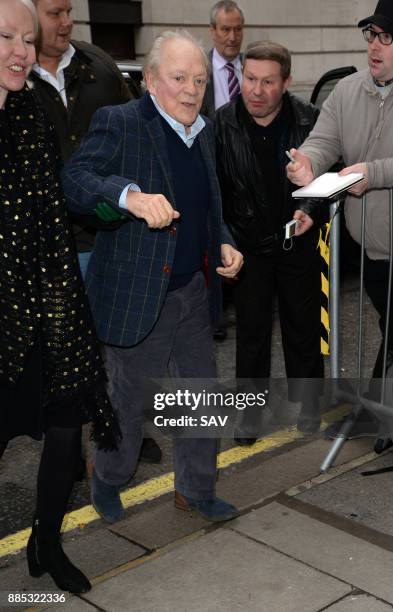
[{"x": 51, "y": 376}]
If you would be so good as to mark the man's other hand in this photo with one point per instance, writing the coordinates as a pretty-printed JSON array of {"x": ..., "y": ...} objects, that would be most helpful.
[
  {"x": 304, "y": 222},
  {"x": 360, "y": 187},
  {"x": 299, "y": 172},
  {"x": 232, "y": 261},
  {"x": 153, "y": 208}
]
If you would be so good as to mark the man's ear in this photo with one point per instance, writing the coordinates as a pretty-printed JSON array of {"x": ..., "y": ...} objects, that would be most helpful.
[
  {"x": 150, "y": 82},
  {"x": 287, "y": 83}
]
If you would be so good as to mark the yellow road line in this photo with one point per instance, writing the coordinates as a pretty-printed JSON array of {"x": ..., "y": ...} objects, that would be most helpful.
[{"x": 156, "y": 487}]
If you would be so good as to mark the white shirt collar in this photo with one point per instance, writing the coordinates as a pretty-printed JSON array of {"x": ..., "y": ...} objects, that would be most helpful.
[
  {"x": 58, "y": 81},
  {"x": 220, "y": 62},
  {"x": 179, "y": 128},
  {"x": 64, "y": 62}
]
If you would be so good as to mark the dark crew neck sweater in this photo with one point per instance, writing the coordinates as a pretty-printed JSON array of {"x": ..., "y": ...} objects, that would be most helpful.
[
  {"x": 192, "y": 195},
  {"x": 269, "y": 144}
]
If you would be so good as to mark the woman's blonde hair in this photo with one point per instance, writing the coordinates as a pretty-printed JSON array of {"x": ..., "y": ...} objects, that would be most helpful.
[{"x": 29, "y": 4}]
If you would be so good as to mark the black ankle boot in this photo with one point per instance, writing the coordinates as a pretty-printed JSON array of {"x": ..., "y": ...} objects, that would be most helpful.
[{"x": 45, "y": 554}]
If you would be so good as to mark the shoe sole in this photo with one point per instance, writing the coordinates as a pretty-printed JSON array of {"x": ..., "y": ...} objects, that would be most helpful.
[{"x": 241, "y": 442}]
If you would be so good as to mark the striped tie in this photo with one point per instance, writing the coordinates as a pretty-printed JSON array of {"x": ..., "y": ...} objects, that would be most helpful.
[{"x": 233, "y": 81}]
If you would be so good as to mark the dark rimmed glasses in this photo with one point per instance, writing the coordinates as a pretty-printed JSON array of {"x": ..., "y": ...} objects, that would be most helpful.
[{"x": 385, "y": 38}]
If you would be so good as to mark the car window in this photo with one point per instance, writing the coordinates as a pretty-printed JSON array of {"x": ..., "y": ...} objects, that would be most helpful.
[
  {"x": 132, "y": 73},
  {"x": 327, "y": 83}
]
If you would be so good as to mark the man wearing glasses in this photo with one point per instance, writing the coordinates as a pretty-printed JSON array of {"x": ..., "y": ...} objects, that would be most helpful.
[{"x": 356, "y": 123}]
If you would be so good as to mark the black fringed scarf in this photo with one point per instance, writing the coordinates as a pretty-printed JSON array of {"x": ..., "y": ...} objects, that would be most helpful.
[{"x": 41, "y": 291}]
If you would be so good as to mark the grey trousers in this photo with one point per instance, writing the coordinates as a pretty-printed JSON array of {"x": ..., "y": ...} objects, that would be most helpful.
[{"x": 180, "y": 344}]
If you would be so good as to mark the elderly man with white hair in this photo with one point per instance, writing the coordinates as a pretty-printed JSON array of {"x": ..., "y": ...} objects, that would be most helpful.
[{"x": 153, "y": 159}]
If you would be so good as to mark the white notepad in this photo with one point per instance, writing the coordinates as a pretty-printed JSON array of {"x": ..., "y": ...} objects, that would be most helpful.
[{"x": 328, "y": 185}]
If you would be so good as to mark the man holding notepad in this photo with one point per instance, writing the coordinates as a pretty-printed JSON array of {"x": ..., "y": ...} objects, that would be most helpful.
[{"x": 356, "y": 123}]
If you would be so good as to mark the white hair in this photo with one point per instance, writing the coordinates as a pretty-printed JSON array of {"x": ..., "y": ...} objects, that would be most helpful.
[
  {"x": 29, "y": 4},
  {"x": 153, "y": 58}
]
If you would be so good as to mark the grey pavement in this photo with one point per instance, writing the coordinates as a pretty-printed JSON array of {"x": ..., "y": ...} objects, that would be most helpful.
[
  {"x": 282, "y": 554},
  {"x": 326, "y": 545}
]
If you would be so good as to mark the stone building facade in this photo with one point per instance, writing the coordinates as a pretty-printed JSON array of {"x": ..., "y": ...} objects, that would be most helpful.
[{"x": 321, "y": 34}]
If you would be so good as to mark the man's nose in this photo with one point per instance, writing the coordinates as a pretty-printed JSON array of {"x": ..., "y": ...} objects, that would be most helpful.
[
  {"x": 66, "y": 20},
  {"x": 191, "y": 87},
  {"x": 258, "y": 89},
  {"x": 375, "y": 43}
]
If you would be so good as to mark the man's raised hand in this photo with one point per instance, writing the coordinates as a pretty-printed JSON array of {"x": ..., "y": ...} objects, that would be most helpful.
[
  {"x": 299, "y": 171},
  {"x": 153, "y": 208}
]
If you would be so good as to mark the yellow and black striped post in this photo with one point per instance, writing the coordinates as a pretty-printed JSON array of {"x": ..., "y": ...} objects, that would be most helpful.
[{"x": 324, "y": 249}]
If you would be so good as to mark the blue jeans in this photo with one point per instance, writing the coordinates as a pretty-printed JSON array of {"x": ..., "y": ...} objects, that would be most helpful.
[{"x": 180, "y": 344}]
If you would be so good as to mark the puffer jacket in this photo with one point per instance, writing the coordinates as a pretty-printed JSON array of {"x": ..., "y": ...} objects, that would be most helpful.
[{"x": 244, "y": 200}]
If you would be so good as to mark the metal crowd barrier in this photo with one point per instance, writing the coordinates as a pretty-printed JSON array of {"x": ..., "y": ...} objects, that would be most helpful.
[{"x": 381, "y": 409}]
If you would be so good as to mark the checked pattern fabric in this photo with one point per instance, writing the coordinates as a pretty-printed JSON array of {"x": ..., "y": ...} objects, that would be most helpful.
[{"x": 233, "y": 81}]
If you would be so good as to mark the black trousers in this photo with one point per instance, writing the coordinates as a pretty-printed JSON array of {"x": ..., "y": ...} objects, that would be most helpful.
[
  {"x": 294, "y": 278},
  {"x": 376, "y": 277}
]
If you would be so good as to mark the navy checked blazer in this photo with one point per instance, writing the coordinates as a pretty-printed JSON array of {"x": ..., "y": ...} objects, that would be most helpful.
[{"x": 129, "y": 270}]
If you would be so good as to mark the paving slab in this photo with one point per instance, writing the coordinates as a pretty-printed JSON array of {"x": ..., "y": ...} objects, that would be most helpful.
[
  {"x": 219, "y": 572},
  {"x": 269, "y": 473},
  {"x": 322, "y": 546},
  {"x": 359, "y": 603},
  {"x": 159, "y": 525},
  {"x": 72, "y": 604},
  {"x": 95, "y": 554},
  {"x": 364, "y": 500}
]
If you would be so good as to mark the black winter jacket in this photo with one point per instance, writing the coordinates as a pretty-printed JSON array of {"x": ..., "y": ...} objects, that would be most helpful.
[
  {"x": 92, "y": 80},
  {"x": 239, "y": 172}
]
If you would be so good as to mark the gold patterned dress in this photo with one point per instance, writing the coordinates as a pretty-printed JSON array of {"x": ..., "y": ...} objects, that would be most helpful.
[
  {"x": 21, "y": 405},
  {"x": 51, "y": 372}
]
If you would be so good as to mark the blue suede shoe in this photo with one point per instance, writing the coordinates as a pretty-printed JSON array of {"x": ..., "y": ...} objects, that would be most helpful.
[
  {"x": 214, "y": 509},
  {"x": 106, "y": 500}
]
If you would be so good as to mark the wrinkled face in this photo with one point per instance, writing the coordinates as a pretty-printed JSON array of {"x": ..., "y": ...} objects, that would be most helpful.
[
  {"x": 227, "y": 34},
  {"x": 180, "y": 80},
  {"x": 380, "y": 58},
  {"x": 56, "y": 26},
  {"x": 262, "y": 89},
  {"x": 17, "y": 52}
]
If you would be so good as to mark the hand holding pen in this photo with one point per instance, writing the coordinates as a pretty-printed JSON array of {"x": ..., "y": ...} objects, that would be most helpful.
[{"x": 299, "y": 169}]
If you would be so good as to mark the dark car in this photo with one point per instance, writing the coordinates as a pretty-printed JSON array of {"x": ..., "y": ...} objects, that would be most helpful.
[
  {"x": 327, "y": 83},
  {"x": 132, "y": 72}
]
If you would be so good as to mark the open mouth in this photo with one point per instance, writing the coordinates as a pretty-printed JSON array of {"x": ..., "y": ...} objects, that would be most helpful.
[{"x": 16, "y": 69}]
